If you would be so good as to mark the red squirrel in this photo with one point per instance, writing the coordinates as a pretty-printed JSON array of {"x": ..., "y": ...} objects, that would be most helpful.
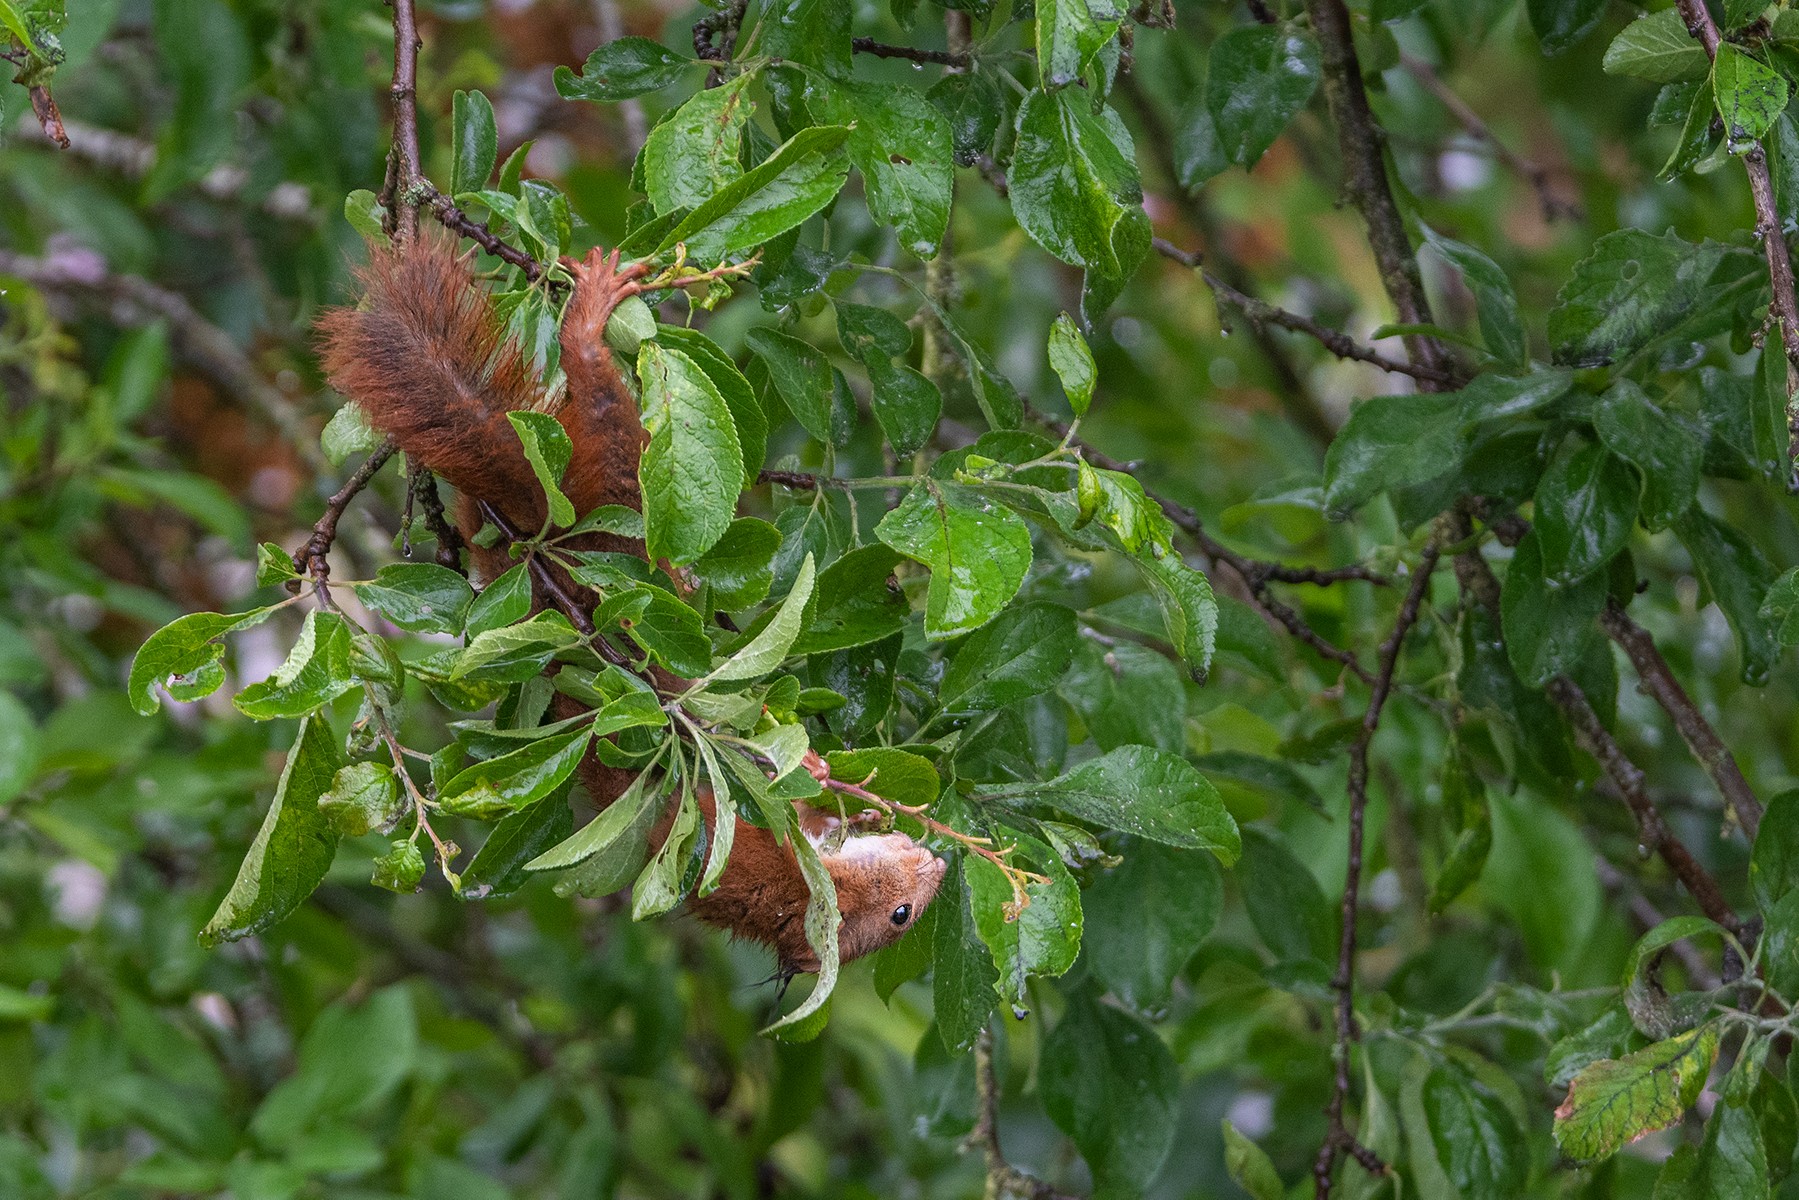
[{"x": 427, "y": 359}]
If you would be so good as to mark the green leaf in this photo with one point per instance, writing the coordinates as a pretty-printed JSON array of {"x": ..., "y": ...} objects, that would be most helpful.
[
  {"x": 1658, "y": 48},
  {"x": 1643, "y": 996},
  {"x": 185, "y": 647},
  {"x": 317, "y": 671},
  {"x": 1586, "y": 504},
  {"x": 1073, "y": 363},
  {"x": 1730, "y": 1160},
  {"x": 364, "y": 797},
  {"x": 1258, "y": 78},
  {"x": 348, "y": 432},
  {"x": 1465, "y": 807},
  {"x": 1109, "y": 1083},
  {"x": 548, "y": 450},
  {"x": 512, "y": 781},
  {"x": 1750, "y": 97},
  {"x": 351, "y": 1060},
  {"x": 615, "y": 821},
  {"x": 500, "y": 603},
  {"x": 768, "y": 649},
  {"x": 1126, "y": 694},
  {"x": 273, "y": 565},
  {"x": 1667, "y": 452},
  {"x": 1556, "y": 910},
  {"x": 1561, "y": 23},
  {"x": 896, "y": 775},
  {"x": 401, "y": 869},
  {"x": 801, "y": 375},
  {"x": 420, "y": 597},
  {"x": 740, "y": 566},
  {"x": 1617, "y": 1101},
  {"x": 857, "y": 602},
  {"x": 1136, "y": 790},
  {"x": 962, "y": 971},
  {"x": 621, "y": 69},
  {"x": 293, "y": 848},
  {"x": 1022, "y": 653},
  {"x": 794, "y": 182},
  {"x": 1070, "y": 33},
  {"x": 905, "y": 403},
  {"x": 515, "y": 652},
  {"x": 978, "y": 553},
  {"x": 1391, "y": 442},
  {"x": 822, "y": 920},
  {"x": 1043, "y": 940},
  {"x": 1633, "y": 287},
  {"x": 1285, "y": 903},
  {"x": 901, "y": 144},
  {"x": 1474, "y": 1136},
  {"x": 18, "y": 746},
  {"x": 747, "y": 413},
  {"x": 1547, "y": 629},
  {"x": 692, "y": 469},
  {"x": 1250, "y": 1167},
  {"x": 1737, "y": 577},
  {"x": 1189, "y": 609},
  {"x": 1501, "y": 328},
  {"x": 475, "y": 144},
  {"x": 1774, "y": 863},
  {"x": 974, "y": 105},
  {"x": 1075, "y": 187},
  {"x": 695, "y": 153},
  {"x": 1147, "y": 917},
  {"x": 669, "y": 630}
]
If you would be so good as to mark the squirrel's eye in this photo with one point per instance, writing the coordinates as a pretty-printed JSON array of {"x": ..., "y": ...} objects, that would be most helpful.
[{"x": 902, "y": 914}]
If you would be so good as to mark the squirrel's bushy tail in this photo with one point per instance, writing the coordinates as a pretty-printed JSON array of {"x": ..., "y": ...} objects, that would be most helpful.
[{"x": 428, "y": 360}]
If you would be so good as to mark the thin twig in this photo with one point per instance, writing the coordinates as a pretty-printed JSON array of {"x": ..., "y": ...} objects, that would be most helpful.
[
  {"x": 408, "y": 172},
  {"x": 1532, "y": 172},
  {"x": 422, "y": 484},
  {"x": 1004, "y": 1181},
  {"x": 1768, "y": 231},
  {"x": 1260, "y": 312},
  {"x": 459, "y": 222},
  {"x": 134, "y": 158},
  {"x": 312, "y": 559},
  {"x": 1362, "y": 143},
  {"x": 1338, "y": 1140},
  {"x": 134, "y": 301},
  {"x": 1632, "y": 786},
  {"x": 1647, "y": 917},
  {"x": 1294, "y": 394},
  {"x": 1657, "y": 680},
  {"x": 941, "y": 58},
  {"x": 1479, "y": 584}
]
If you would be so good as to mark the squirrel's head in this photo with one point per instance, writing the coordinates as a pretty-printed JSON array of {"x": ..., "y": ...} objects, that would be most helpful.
[{"x": 884, "y": 883}]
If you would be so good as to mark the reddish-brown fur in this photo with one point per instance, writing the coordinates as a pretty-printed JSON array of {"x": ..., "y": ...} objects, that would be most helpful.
[{"x": 427, "y": 358}]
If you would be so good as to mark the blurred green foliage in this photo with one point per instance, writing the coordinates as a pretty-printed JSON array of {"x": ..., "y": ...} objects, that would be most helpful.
[{"x": 1598, "y": 271}]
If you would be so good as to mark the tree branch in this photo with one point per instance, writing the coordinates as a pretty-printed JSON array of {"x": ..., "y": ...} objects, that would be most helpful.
[
  {"x": 1630, "y": 781},
  {"x": 1004, "y": 1181},
  {"x": 940, "y": 58},
  {"x": 1291, "y": 390},
  {"x": 460, "y": 223},
  {"x": 133, "y": 301},
  {"x": 134, "y": 158},
  {"x": 1261, "y": 313},
  {"x": 1533, "y": 173},
  {"x": 1768, "y": 231},
  {"x": 1361, "y": 141},
  {"x": 408, "y": 173},
  {"x": 1657, "y": 679},
  {"x": 312, "y": 559},
  {"x": 1338, "y": 1140}
]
